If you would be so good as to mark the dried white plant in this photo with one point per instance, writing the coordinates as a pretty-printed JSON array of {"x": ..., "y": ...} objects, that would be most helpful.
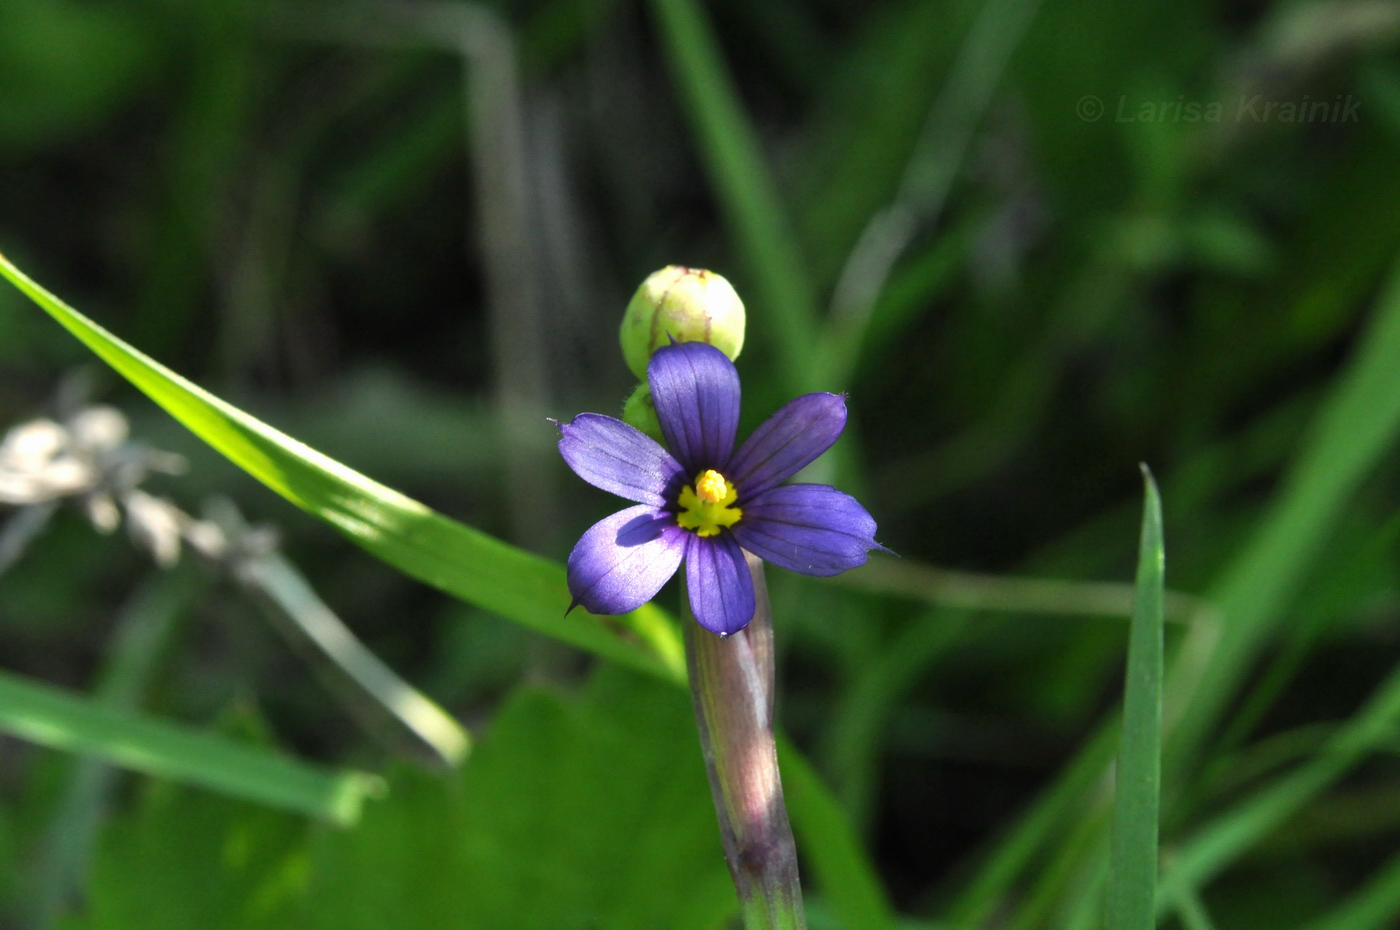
[{"x": 89, "y": 460}]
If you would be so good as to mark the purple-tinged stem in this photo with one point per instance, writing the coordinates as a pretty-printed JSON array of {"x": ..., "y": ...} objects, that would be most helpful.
[{"x": 731, "y": 683}]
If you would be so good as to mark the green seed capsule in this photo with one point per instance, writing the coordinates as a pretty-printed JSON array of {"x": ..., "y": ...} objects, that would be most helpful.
[{"x": 684, "y": 304}]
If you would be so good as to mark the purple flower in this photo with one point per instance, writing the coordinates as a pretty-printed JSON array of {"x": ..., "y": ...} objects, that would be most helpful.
[{"x": 702, "y": 501}]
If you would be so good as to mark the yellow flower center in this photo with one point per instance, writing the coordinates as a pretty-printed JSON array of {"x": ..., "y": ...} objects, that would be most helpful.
[
  {"x": 711, "y": 487},
  {"x": 705, "y": 507}
]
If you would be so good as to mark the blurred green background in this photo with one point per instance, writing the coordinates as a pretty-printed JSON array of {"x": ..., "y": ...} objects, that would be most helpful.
[{"x": 1037, "y": 243}]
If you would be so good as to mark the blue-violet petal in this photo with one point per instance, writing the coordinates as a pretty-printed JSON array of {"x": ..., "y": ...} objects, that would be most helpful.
[
  {"x": 786, "y": 443},
  {"x": 616, "y": 457},
  {"x": 809, "y": 528},
  {"x": 696, "y": 390},
  {"x": 623, "y": 560},
  {"x": 718, "y": 581}
]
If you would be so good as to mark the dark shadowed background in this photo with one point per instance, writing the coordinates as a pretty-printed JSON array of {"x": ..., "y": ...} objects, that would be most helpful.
[{"x": 1037, "y": 243}]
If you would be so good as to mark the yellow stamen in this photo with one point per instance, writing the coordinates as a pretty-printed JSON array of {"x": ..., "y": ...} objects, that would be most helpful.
[
  {"x": 711, "y": 487},
  {"x": 706, "y": 507}
]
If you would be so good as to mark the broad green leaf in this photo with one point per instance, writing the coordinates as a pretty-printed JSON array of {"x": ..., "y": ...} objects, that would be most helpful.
[
  {"x": 569, "y": 814},
  {"x": 53, "y": 718},
  {"x": 584, "y": 812},
  {"x": 184, "y": 859},
  {"x": 1132, "y": 880},
  {"x": 426, "y": 545}
]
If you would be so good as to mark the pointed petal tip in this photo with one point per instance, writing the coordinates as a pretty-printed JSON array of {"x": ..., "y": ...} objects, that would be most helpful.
[{"x": 724, "y": 632}]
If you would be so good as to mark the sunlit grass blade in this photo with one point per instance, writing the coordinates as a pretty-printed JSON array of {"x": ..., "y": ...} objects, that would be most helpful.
[
  {"x": 1192, "y": 910},
  {"x": 1132, "y": 878},
  {"x": 426, "y": 545},
  {"x": 51, "y": 717},
  {"x": 386, "y": 706}
]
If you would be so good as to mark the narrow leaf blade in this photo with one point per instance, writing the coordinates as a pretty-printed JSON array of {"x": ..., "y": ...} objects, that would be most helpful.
[
  {"x": 54, "y": 718},
  {"x": 1133, "y": 871}
]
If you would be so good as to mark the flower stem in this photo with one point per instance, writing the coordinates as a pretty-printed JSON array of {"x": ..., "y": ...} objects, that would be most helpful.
[{"x": 731, "y": 683}]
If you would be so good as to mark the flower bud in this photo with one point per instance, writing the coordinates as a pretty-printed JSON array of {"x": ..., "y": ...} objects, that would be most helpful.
[{"x": 684, "y": 304}]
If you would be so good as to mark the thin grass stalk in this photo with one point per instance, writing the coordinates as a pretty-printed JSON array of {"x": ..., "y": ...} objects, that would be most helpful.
[{"x": 731, "y": 684}]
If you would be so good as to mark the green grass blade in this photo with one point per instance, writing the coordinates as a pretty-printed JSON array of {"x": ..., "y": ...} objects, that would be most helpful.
[
  {"x": 1192, "y": 910},
  {"x": 1358, "y": 422},
  {"x": 1373, "y": 907},
  {"x": 143, "y": 631},
  {"x": 59, "y": 720},
  {"x": 462, "y": 561},
  {"x": 1223, "y": 841},
  {"x": 1052, "y": 814},
  {"x": 751, "y": 205},
  {"x": 1132, "y": 878},
  {"x": 860, "y": 718}
]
